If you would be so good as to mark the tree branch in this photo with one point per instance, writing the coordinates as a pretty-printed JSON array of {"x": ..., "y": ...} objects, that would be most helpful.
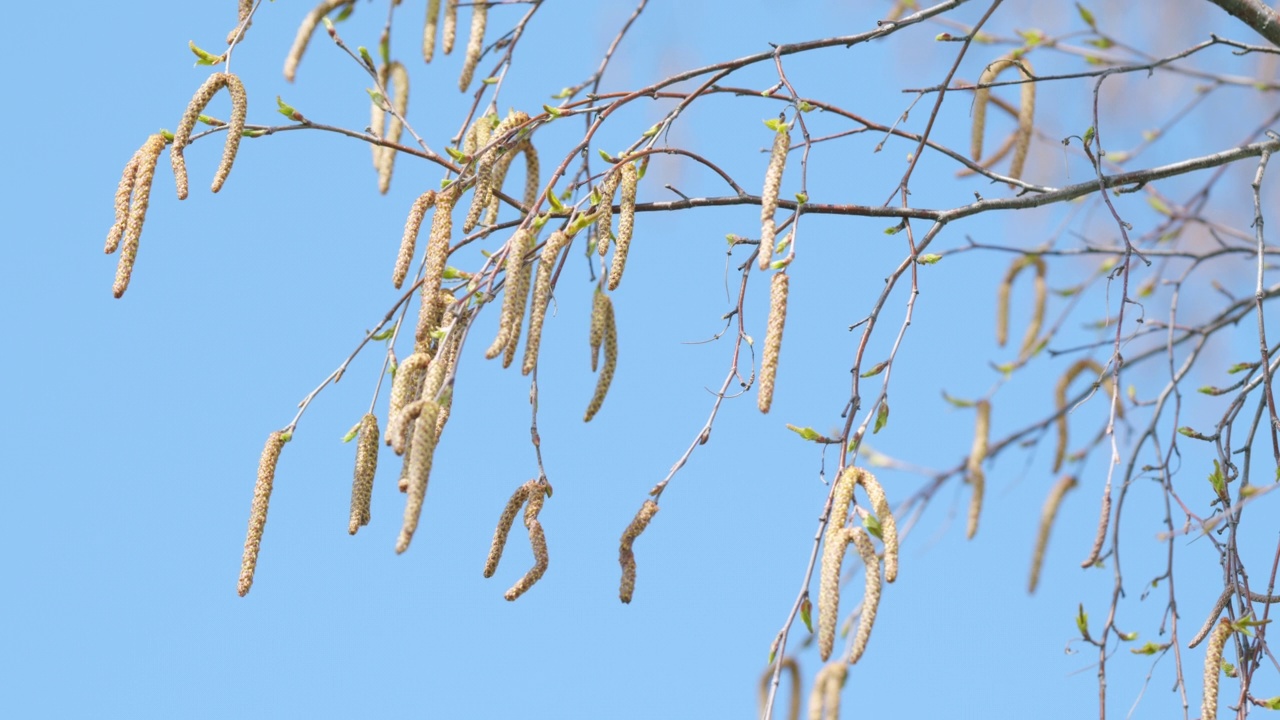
[{"x": 1256, "y": 15}]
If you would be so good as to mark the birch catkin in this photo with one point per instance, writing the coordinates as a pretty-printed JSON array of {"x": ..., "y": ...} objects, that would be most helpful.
[
  {"x": 1212, "y": 667},
  {"x": 124, "y": 193},
  {"x": 541, "y": 297},
  {"x": 824, "y": 700},
  {"x": 438, "y": 242},
  {"x": 626, "y": 555},
  {"x": 182, "y": 136},
  {"x": 1047, "y": 515},
  {"x": 604, "y": 222},
  {"x": 366, "y": 468},
  {"x": 258, "y": 513},
  {"x": 833, "y": 546},
  {"x": 1037, "y": 312},
  {"x": 610, "y": 360},
  {"x": 626, "y": 223},
  {"x": 385, "y": 157},
  {"x": 888, "y": 526},
  {"x": 793, "y": 674},
  {"x": 474, "y": 145},
  {"x": 245, "y": 9},
  {"x": 412, "y": 226},
  {"x": 773, "y": 339},
  {"x": 424, "y": 441},
  {"x": 144, "y": 172},
  {"x": 305, "y": 31},
  {"x": 450, "y": 25},
  {"x": 429, "y": 30},
  {"x": 500, "y": 168},
  {"x": 516, "y": 293},
  {"x": 1060, "y": 396},
  {"x": 503, "y": 529},
  {"x": 975, "y": 476},
  {"x": 871, "y": 594},
  {"x": 769, "y": 196},
  {"x": 1026, "y": 112},
  {"x": 475, "y": 43},
  {"x": 537, "y": 541}
]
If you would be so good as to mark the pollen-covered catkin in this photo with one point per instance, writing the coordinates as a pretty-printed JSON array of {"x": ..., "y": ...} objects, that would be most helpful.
[
  {"x": 429, "y": 30},
  {"x": 604, "y": 221},
  {"x": 1047, "y": 516},
  {"x": 305, "y": 30},
  {"x": 1212, "y": 667},
  {"x": 424, "y": 441},
  {"x": 124, "y": 191},
  {"x": 182, "y": 136},
  {"x": 773, "y": 339},
  {"x": 598, "y": 303},
  {"x": 475, "y": 43},
  {"x": 450, "y": 25},
  {"x": 626, "y": 223},
  {"x": 769, "y": 195},
  {"x": 503, "y": 529},
  {"x": 366, "y": 468},
  {"x": 516, "y": 293},
  {"x": 541, "y": 297},
  {"x": 386, "y": 157},
  {"x": 610, "y": 361},
  {"x": 871, "y": 594},
  {"x": 793, "y": 674},
  {"x": 537, "y": 541},
  {"x": 235, "y": 129},
  {"x": 245, "y": 9},
  {"x": 1060, "y": 396},
  {"x": 258, "y": 514},
  {"x": 1026, "y": 112},
  {"x": 888, "y": 526},
  {"x": 974, "y": 475},
  {"x": 824, "y": 700},
  {"x": 144, "y": 174},
  {"x": 438, "y": 241},
  {"x": 500, "y": 168},
  {"x": 412, "y": 226},
  {"x": 626, "y": 553},
  {"x": 474, "y": 145},
  {"x": 1037, "y": 313},
  {"x": 405, "y": 386},
  {"x": 835, "y": 540}
]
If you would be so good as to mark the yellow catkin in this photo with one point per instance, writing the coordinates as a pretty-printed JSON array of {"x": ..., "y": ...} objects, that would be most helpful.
[
  {"x": 793, "y": 674},
  {"x": 500, "y": 168},
  {"x": 596, "y": 336},
  {"x": 974, "y": 475},
  {"x": 604, "y": 222},
  {"x": 438, "y": 241},
  {"x": 400, "y": 426},
  {"x": 871, "y": 594},
  {"x": 475, "y": 43},
  {"x": 537, "y": 540},
  {"x": 626, "y": 223},
  {"x": 521, "y": 300},
  {"x": 478, "y": 137},
  {"x": 1026, "y": 112},
  {"x": 399, "y": 89},
  {"x": 429, "y": 30},
  {"x": 405, "y": 386},
  {"x": 1060, "y": 396},
  {"x": 412, "y": 226},
  {"x": 515, "y": 292},
  {"x": 424, "y": 441},
  {"x": 1047, "y": 516},
  {"x": 888, "y": 526},
  {"x": 378, "y": 117},
  {"x": 1037, "y": 312},
  {"x": 626, "y": 555},
  {"x": 366, "y": 468},
  {"x": 773, "y": 339},
  {"x": 450, "y": 25},
  {"x": 124, "y": 191},
  {"x": 541, "y": 297},
  {"x": 833, "y": 546},
  {"x": 258, "y": 513},
  {"x": 508, "y": 516},
  {"x": 245, "y": 8},
  {"x": 140, "y": 199},
  {"x": 769, "y": 195},
  {"x": 182, "y": 136},
  {"x": 305, "y": 30},
  {"x": 824, "y": 700},
  {"x": 1212, "y": 667},
  {"x": 430, "y": 317},
  {"x": 610, "y": 361}
]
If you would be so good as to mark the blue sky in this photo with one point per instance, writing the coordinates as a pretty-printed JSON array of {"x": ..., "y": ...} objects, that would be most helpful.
[{"x": 134, "y": 426}]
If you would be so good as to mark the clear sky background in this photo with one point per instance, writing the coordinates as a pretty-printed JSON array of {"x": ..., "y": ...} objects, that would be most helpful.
[{"x": 132, "y": 428}]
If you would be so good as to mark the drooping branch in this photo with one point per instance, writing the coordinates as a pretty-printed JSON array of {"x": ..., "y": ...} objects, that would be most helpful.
[{"x": 1256, "y": 15}]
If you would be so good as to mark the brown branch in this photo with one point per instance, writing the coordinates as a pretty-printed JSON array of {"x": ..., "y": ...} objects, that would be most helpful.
[{"x": 1256, "y": 15}]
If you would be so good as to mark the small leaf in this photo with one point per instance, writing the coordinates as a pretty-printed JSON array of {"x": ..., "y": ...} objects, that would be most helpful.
[
  {"x": 928, "y": 259},
  {"x": 805, "y": 106},
  {"x": 493, "y": 80},
  {"x": 774, "y": 124},
  {"x": 556, "y": 205},
  {"x": 872, "y": 523},
  {"x": 1240, "y": 367},
  {"x": 376, "y": 97},
  {"x": 457, "y": 155},
  {"x": 204, "y": 57},
  {"x": 957, "y": 402},
  {"x": 1159, "y": 206},
  {"x": 882, "y": 417},
  {"x": 1087, "y": 16},
  {"x": 384, "y": 335},
  {"x": 351, "y": 434},
  {"x": 1228, "y": 669},
  {"x": 563, "y": 94},
  {"x": 652, "y": 131},
  {"x": 453, "y": 273},
  {"x": 1150, "y": 648},
  {"x": 366, "y": 57},
  {"x": 1082, "y": 622},
  {"x": 287, "y": 110},
  {"x": 802, "y": 198},
  {"x": 1128, "y": 637},
  {"x": 552, "y": 111},
  {"x": 1088, "y": 135},
  {"x": 806, "y": 613},
  {"x": 607, "y": 157},
  {"x": 1216, "y": 479},
  {"x": 879, "y": 368},
  {"x": 806, "y": 433},
  {"x": 1270, "y": 703}
]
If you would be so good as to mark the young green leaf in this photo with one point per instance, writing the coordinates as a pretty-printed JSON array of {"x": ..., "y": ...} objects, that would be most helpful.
[{"x": 882, "y": 417}]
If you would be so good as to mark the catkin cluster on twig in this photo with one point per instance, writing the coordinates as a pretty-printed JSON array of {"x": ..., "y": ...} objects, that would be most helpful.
[
  {"x": 824, "y": 699},
  {"x": 973, "y": 467},
  {"x": 133, "y": 196},
  {"x": 773, "y": 339},
  {"x": 258, "y": 513},
  {"x": 395, "y": 80},
  {"x": 475, "y": 43},
  {"x": 366, "y": 468},
  {"x": 790, "y": 665},
  {"x": 532, "y": 495},
  {"x": 305, "y": 30},
  {"x": 1047, "y": 516},
  {"x": 515, "y": 296},
  {"x": 604, "y": 214},
  {"x": 1032, "y": 334},
  {"x": 626, "y": 555},
  {"x": 769, "y": 195},
  {"x": 1026, "y": 111},
  {"x": 235, "y": 127},
  {"x": 474, "y": 147},
  {"x": 1212, "y": 668},
  {"x": 630, "y": 177},
  {"x": 837, "y": 539},
  {"x": 408, "y": 242},
  {"x": 604, "y": 330},
  {"x": 542, "y": 296}
]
